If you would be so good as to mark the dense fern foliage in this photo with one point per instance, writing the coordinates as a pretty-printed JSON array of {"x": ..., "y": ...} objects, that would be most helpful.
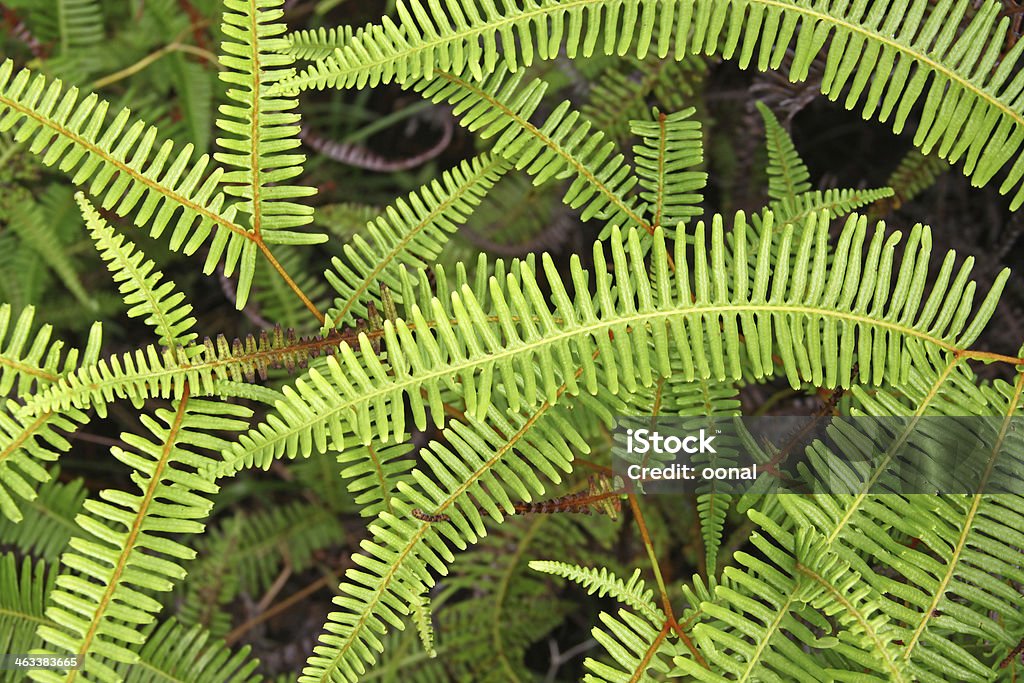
[{"x": 316, "y": 328}]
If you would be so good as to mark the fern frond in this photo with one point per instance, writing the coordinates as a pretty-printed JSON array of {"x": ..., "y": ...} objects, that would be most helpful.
[
  {"x": 79, "y": 26},
  {"x": 787, "y": 173},
  {"x": 621, "y": 93},
  {"x": 194, "y": 84},
  {"x": 120, "y": 165},
  {"x": 562, "y": 147},
  {"x": 837, "y": 202},
  {"x": 952, "y": 581},
  {"x": 517, "y": 218},
  {"x": 29, "y": 370},
  {"x": 885, "y": 57},
  {"x": 212, "y": 581},
  {"x": 345, "y": 219},
  {"x": 271, "y": 538},
  {"x": 633, "y": 593},
  {"x": 320, "y": 42},
  {"x": 28, "y": 220},
  {"x": 174, "y": 652},
  {"x": 421, "y": 617},
  {"x": 23, "y": 594},
  {"x": 25, "y": 443},
  {"x": 129, "y": 553},
  {"x": 141, "y": 288},
  {"x": 847, "y": 305},
  {"x": 261, "y": 129},
  {"x": 151, "y": 372},
  {"x": 915, "y": 173},
  {"x": 762, "y": 624},
  {"x": 374, "y": 472},
  {"x": 26, "y": 440},
  {"x": 411, "y": 233},
  {"x": 511, "y": 608},
  {"x": 671, "y": 146},
  {"x": 80, "y": 23},
  {"x": 635, "y": 646},
  {"x": 494, "y": 458},
  {"x": 47, "y": 527}
]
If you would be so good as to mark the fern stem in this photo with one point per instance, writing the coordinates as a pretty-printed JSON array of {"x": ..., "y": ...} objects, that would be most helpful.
[
  {"x": 26, "y": 369},
  {"x": 231, "y": 638},
  {"x": 289, "y": 281},
  {"x": 670, "y": 622},
  {"x": 149, "y": 59},
  {"x": 255, "y": 141},
  {"x": 641, "y": 666}
]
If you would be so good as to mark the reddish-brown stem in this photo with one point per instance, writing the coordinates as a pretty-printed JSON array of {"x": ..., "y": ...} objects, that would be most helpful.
[{"x": 665, "y": 602}]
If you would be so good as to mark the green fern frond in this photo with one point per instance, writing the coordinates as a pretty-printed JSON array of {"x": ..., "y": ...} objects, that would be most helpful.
[
  {"x": 511, "y": 608},
  {"x": 48, "y": 520},
  {"x": 120, "y": 165},
  {"x": 26, "y": 440},
  {"x": 671, "y": 146},
  {"x": 261, "y": 129},
  {"x": 212, "y": 368},
  {"x": 495, "y": 459},
  {"x": 141, "y": 288},
  {"x": 951, "y": 582},
  {"x": 195, "y": 86},
  {"x": 29, "y": 370},
  {"x": 760, "y": 624},
  {"x": 128, "y": 553},
  {"x": 245, "y": 554},
  {"x": 516, "y": 218},
  {"x": 972, "y": 93},
  {"x": 80, "y": 23},
  {"x": 79, "y": 28},
  {"x": 837, "y": 202},
  {"x": 212, "y": 581},
  {"x": 23, "y": 594},
  {"x": 25, "y": 443},
  {"x": 827, "y": 583},
  {"x": 286, "y": 535},
  {"x": 847, "y": 305},
  {"x": 635, "y": 646},
  {"x": 411, "y": 233},
  {"x": 174, "y": 652},
  {"x": 29, "y": 221},
  {"x": 320, "y": 42},
  {"x": 345, "y": 219},
  {"x": 421, "y": 617},
  {"x": 620, "y": 94},
  {"x": 915, "y": 173},
  {"x": 562, "y": 147},
  {"x": 787, "y": 173},
  {"x": 633, "y": 593},
  {"x": 373, "y": 473}
]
